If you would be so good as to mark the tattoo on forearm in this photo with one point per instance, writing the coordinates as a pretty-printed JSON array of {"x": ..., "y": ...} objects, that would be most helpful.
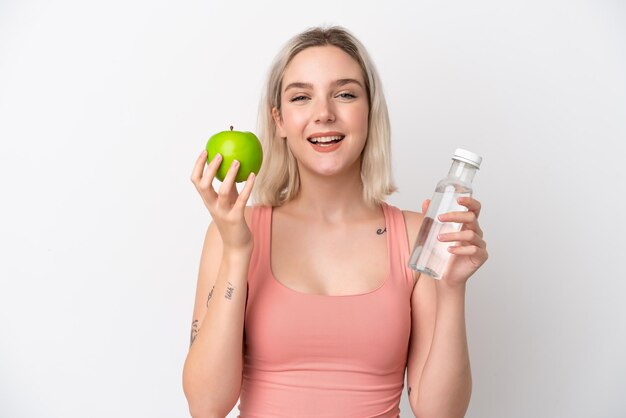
[
  {"x": 381, "y": 231},
  {"x": 194, "y": 331},
  {"x": 229, "y": 291},
  {"x": 210, "y": 295}
]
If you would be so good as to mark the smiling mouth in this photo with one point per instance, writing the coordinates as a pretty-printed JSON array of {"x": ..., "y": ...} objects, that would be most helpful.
[{"x": 326, "y": 140}]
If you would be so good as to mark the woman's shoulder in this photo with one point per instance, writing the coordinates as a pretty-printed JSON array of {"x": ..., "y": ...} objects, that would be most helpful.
[
  {"x": 412, "y": 221},
  {"x": 412, "y": 217}
]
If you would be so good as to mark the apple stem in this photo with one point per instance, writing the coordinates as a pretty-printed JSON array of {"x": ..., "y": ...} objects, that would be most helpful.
[{"x": 231, "y": 127}]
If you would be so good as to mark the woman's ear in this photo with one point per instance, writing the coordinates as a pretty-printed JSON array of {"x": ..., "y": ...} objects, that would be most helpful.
[{"x": 279, "y": 123}]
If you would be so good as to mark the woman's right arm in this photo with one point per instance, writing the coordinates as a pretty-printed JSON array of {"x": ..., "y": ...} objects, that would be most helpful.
[{"x": 213, "y": 368}]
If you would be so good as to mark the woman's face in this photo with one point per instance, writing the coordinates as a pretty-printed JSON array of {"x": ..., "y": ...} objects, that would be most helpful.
[{"x": 324, "y": 110}]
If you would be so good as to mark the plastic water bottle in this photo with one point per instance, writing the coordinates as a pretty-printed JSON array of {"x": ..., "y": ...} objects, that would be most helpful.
[{"x": 430, "y": 255}]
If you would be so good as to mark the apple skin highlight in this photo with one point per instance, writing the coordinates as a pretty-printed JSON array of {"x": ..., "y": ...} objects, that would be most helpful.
[{"x": 244, "y": 147}]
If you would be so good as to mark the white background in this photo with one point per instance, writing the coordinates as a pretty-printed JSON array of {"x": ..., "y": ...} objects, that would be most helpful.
[{"x": 104, "y": 107}]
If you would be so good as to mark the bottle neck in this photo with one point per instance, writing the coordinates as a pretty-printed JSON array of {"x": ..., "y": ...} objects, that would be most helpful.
[{"x": 461, "y": 171}]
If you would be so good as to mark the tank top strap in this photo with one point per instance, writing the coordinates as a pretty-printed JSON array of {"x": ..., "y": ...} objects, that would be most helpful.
[
  {"x": 399, "y": 248},
  {"x": 260, "y": 227}
]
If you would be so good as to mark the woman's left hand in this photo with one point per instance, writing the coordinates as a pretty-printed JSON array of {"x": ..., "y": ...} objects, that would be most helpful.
[{"x": 470, "y": 251}]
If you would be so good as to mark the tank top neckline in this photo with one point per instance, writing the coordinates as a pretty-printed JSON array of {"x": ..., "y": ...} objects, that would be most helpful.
[{"x": 279, "y": 284}]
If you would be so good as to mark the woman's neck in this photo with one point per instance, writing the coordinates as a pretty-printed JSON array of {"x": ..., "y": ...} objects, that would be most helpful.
[{"x": 332, "y": 199}]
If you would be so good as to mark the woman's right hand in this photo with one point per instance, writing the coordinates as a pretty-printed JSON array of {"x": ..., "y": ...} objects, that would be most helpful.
[{"x": 227, "y": 205}]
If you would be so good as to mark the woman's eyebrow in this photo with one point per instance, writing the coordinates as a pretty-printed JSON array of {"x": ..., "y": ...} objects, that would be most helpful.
[
  {"x": 344, "y": 81},
  {"x": 299, "y": 85},
  {"x": 339, "y": 83}
]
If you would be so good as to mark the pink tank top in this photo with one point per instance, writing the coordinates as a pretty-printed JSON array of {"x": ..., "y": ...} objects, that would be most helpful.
[{"x": 321, "y": 356}]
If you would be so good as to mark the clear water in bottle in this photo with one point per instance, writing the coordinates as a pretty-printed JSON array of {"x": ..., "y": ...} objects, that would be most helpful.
[{"x": 430, "y": 255}]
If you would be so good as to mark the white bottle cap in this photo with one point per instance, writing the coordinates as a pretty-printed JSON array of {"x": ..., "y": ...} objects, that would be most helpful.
[{"x": 467, "y": 157}]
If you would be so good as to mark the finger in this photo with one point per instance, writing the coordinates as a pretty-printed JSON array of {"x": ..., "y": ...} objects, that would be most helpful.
[
  {"x": 240, "y": 204},
  {"x": 228, "y": 188},
  {"x": 467, "y": 237},
  {"x": 471, "y": 204},
  {"x": 206, "y": 182},
  {"x": 425, "y": 205},
  {"x": 473, "y": 227},
  {"x": 470, "y": 250},
  {"x": 477, "y": 255},
  {"x": 458, "y": 217},
  {"x": 196, "y": 173}
]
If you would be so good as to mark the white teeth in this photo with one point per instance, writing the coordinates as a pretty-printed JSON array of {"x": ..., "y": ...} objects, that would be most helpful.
[{"x": 325, "y": 139}]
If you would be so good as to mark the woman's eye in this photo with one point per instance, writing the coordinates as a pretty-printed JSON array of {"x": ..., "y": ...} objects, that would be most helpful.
[
  {"x": 298, "y": 98},
  {"x": 347, "y": 96}
]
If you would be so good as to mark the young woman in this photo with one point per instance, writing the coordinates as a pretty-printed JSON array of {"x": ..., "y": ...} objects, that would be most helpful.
[{"x": 304, "y": 304}]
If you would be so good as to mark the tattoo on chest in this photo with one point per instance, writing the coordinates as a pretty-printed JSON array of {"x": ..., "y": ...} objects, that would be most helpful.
[
  {"x": 381, "y": 231},
  {"x": 409, "y": 390}
]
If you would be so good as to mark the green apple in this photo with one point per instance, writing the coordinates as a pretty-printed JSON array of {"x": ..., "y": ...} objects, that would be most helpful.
[{"x": 244, "y": 147}]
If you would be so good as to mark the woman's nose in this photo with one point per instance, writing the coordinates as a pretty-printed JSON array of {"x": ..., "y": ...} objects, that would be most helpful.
[{"x": 324, "y": 112}]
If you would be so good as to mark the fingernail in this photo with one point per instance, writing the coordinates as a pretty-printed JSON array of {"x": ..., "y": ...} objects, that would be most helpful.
[
  {"x": 203, "y": 152},
  {"x": 235, "y": 163}
]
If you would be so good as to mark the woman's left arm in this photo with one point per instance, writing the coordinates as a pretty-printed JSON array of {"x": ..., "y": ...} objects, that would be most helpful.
[{"x": 439, "y": 375}]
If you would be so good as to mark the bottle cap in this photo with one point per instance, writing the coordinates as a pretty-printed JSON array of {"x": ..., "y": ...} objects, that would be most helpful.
[{"x": 467, "y": 157}]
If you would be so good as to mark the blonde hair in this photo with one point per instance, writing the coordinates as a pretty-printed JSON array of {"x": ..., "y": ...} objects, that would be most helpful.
[{"x": 279, "y": 180}]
